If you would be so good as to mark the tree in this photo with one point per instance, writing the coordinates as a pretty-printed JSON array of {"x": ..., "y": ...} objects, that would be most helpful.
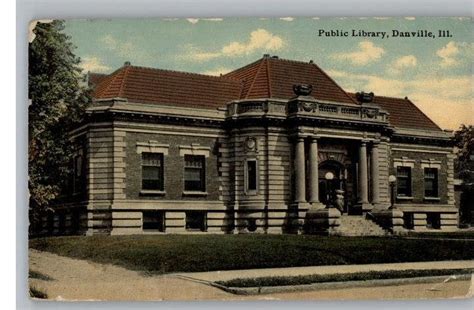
[
  {"x": 464, "y": 168},
  {"x": 464, "y": 142},
  {"x": 57, "y": 104}
]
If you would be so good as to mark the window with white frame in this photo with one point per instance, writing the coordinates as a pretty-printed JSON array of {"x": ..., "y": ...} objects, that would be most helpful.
[
  {"x": 152, "y": 171},
  {"x": 431, "y": 182},
  {"x": 403, "y": 181},
  {"x": 195, "y": 173}
]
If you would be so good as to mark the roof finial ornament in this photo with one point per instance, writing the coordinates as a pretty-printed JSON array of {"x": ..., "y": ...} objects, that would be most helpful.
[
  {"x": 302, "y": 89},
  {"x": 127, "y": 63},
  {"x": 365, "y": 97}
]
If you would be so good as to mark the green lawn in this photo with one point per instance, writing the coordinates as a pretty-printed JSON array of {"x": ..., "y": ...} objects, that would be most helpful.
[
  {"x": 357, "y": 276},
  {"x": 461, "y": 234},
  {"x": 188, "y": 253}
]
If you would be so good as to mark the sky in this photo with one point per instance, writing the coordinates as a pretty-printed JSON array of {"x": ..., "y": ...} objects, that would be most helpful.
[{"x": 434, "y": 72}]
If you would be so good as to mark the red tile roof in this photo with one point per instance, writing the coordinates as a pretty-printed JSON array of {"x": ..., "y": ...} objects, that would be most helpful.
[
  {"x": 271, "y": 77},
  {"x": 404, "y": 113},
  {"x": 267, "y": 77},
  {"x": 95, "y": 78},
  {"x": 156, "y": 86}
]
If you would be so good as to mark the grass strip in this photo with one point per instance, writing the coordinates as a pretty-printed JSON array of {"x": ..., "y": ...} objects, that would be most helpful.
[
  {"x": 158, "y": 254},
  {"x": 357, "y": 276}
]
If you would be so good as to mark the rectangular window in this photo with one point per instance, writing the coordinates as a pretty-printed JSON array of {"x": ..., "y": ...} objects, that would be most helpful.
[
  {"x": 154, "y": 221},
  {"x": 404, "y": 181},
  {"x": 408, "y": 220},
  {"x": 433, "y": 221},
  {"x": 196, "y": 220},
  {"x": 78, "y": 179},
  {"x": 152, "y": 171},
  {"x": 194, "y": 173},
  {"x": 431, "y": 182},
  {"x": 252, "y": 175}
]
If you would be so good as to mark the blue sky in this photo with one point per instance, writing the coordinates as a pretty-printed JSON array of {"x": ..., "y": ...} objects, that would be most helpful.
[{"x": 436, "y": 73}]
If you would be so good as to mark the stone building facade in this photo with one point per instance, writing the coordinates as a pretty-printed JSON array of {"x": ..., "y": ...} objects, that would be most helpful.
[{"x": 273, "y": 147}]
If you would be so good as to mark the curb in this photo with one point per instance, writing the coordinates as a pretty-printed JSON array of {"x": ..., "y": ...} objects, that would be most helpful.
[{"x": 337, "y": 285}]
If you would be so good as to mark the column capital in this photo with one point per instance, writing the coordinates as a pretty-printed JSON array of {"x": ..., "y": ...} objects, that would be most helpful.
[
  {"x": 375, "y": 143},
  {"x": 314, "y": 139},
  {"x": 364, "y": 142}
]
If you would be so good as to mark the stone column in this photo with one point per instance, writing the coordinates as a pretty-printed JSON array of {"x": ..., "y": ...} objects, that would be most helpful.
[
  {"x": 363, "y": 180},
  {"x": 374, "y": 165},
  {"x": 300, "y": 184},
  {"x": 313, "y": 173}
]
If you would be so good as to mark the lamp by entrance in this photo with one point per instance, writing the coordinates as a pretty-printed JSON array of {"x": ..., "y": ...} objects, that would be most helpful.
[{"x": 331, "y": 179}]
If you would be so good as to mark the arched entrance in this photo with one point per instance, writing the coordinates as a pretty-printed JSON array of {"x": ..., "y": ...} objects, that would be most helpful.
[{"x": 327, "y": 188}]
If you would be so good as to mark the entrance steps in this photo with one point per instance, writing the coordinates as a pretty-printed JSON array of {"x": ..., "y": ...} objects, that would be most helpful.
[{"x": 358, "y": 225}]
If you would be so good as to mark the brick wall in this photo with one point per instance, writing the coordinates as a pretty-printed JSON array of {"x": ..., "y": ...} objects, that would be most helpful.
[
  {"x": 418, "y": 176},
  {"x": 173, "y": 166}
]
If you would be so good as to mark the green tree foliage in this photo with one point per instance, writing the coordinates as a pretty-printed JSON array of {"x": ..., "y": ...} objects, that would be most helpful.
[
  {"x": 464, "y": 141},
  {"x": 57, "y": 103}
]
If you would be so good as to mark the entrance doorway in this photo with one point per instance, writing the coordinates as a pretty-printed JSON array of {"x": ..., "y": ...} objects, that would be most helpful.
[{"x": 327, "y": 188}]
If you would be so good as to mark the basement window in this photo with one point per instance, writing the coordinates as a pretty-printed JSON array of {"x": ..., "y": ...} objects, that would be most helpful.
[
  {"x": 408, "y": 220},
  {"x": 433, "y": 221},
  {"x": 154, "y": 221},
  {"x": 196, "y": 220}
]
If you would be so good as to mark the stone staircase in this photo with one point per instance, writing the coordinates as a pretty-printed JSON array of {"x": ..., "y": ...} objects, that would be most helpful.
[{"x": 358, "y": 225}]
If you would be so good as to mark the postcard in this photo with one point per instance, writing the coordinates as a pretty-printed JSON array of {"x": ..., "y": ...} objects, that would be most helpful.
[{"x": 285, "y": 158}]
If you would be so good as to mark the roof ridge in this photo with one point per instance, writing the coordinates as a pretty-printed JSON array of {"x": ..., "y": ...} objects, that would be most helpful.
[
  {"x": 335, "y": 83},
  {"x": 122, "y": 82},
  {"x": 269, "y": 81},
  {"x": 244, "y": 67},
  {"x": 263, "y": 61},
  {"x": 423, "y": 113},
  {"x": 222, "y": 77}
]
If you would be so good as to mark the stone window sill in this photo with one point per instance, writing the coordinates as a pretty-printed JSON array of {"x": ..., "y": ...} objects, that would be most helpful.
[
  {"x": 192, "y": 193},
  {"x": 404, "y": 198},
  {"x": 152, "y": 192},
  {"x": 432, "y": 198}
]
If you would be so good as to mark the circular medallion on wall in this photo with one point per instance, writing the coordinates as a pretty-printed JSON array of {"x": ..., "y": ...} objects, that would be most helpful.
[{"x": 250, "y": 144}]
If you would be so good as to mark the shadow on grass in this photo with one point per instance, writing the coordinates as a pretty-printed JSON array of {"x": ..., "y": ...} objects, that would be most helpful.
[{"x": 160, "y": 254}]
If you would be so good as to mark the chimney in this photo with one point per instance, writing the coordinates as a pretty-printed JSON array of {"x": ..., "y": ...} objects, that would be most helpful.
[
  {"x": 127, "y": 63},
  {"x": 266, "y": 55}
]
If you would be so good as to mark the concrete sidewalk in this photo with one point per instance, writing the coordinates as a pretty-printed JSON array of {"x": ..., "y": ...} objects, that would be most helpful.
[{"x": 213, "y": 276}]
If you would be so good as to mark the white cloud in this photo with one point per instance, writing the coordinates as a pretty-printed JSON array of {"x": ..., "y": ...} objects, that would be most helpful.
[
  {"x": 217, "y": 71},
  {"x": 109, "y": 41},
  {"x": 260, "y": 39},
  {"x": 402, "y": 63},
  {"x": 214, "y": 19},
  {"x": 448, "y": 54},
  {"x": 125, "y": 49},
  {"x": 446, "y": 100},
  {"x": 287, "y": 19},
  {"x": 368, "y": 52},
  {"x": 193, "y": 20},
  {"x": 93, "y": 64}
]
